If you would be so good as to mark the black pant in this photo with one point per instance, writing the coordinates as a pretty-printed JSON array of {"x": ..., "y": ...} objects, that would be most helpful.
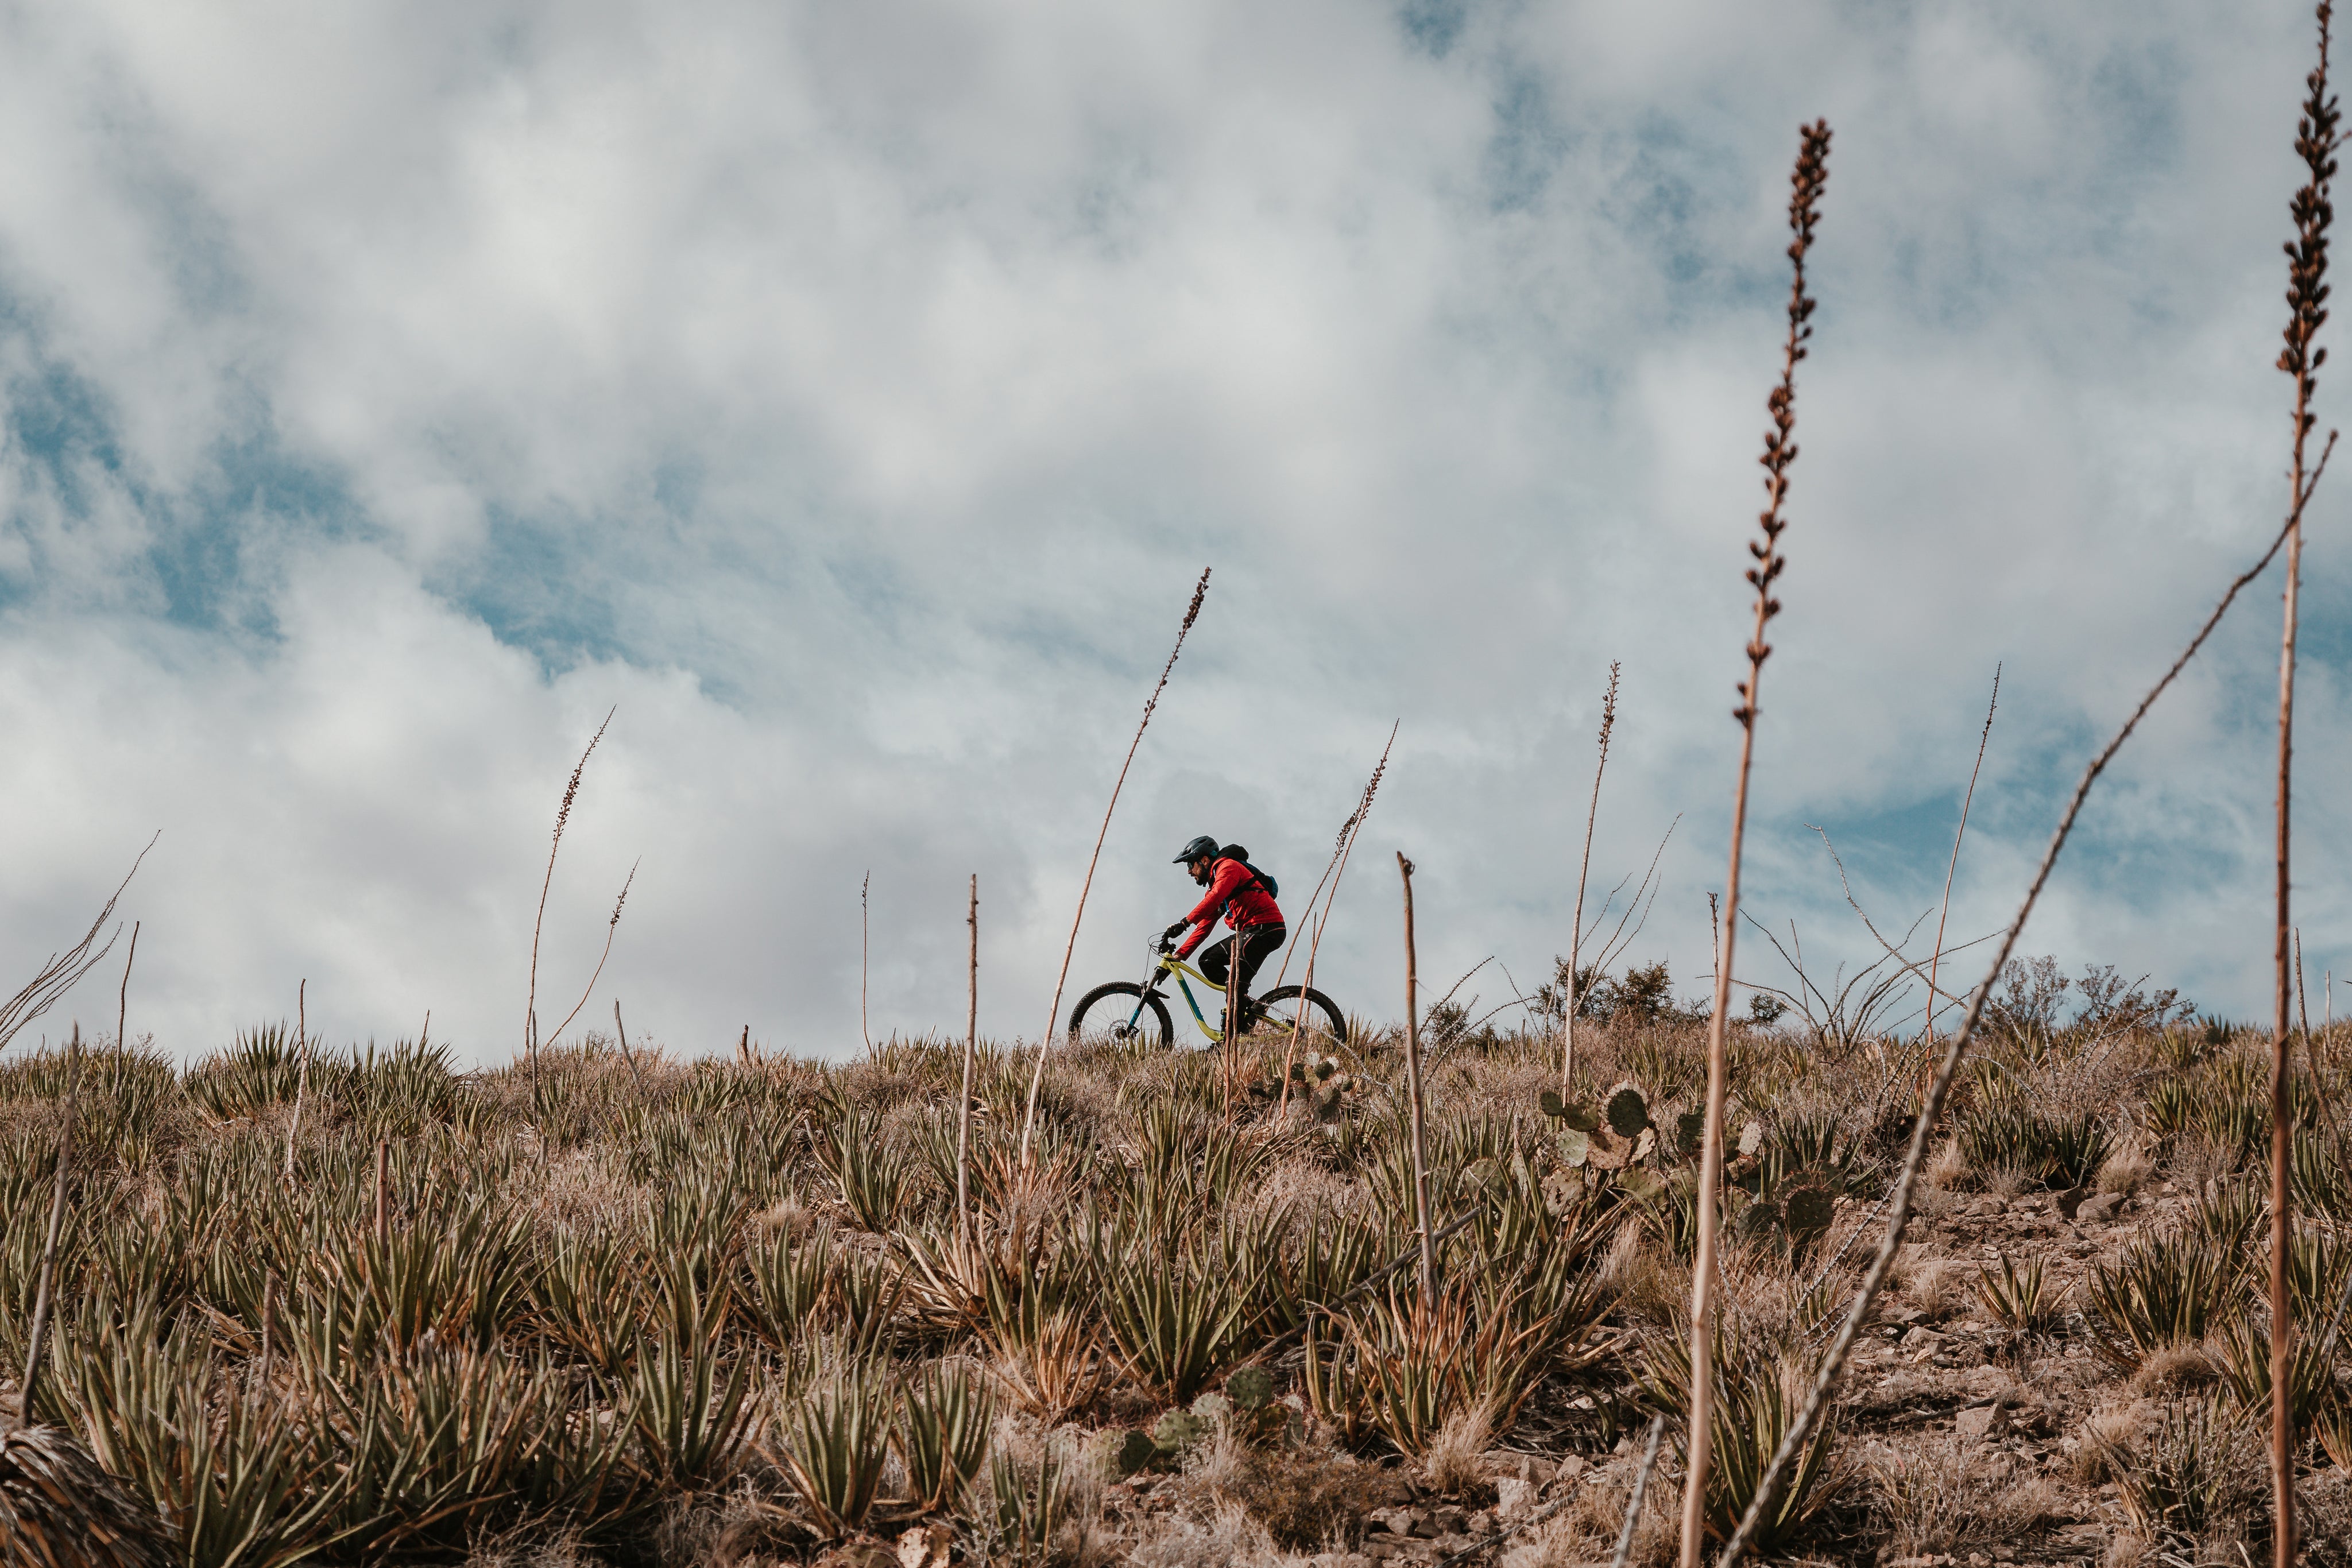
[{"x": 1254, "y": 941}]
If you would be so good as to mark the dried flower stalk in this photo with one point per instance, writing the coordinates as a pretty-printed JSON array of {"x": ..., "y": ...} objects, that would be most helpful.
[
  {"x": 1583, "y": 870},
  {"x": 1806, "y": 182},
  {"x": 2301, "y": 357},
  {"x": 1045, "y": 1041}
]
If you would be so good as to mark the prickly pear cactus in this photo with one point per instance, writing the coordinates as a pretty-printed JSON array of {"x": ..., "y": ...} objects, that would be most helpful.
[
  {"x": 1578, "y": 1118},
  {"x": 1135, "y": 1452},
  {"x": 1689, "y": 1128},
  {"x": 1179, "y": 1430},
  {"x": 1251, "y": 1389},
  {"x": 1807, "y": 1211},
  {"x": 1629, "y": 1112},
  {"x": 1575, "y": 1148}
]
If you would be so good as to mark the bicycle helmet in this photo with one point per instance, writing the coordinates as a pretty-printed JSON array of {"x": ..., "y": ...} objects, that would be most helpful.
[{"x": 1201, "y": 848}]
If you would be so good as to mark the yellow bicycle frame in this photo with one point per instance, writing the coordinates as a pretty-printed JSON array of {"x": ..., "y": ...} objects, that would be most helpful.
[{"x": 1171, "y": 963}]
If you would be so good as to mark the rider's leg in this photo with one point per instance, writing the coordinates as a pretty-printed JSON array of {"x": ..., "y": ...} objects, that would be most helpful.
[{"x": 1259, "y": 943}]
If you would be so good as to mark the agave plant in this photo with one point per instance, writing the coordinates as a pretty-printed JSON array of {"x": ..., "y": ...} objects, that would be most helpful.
[
  {"x": 832, "y": 1444},
  {"x": 876, "y": 1180},
  {"x": 1040, "y": 1330},
  {"x": 2023, "y": 1299},
  {"x": 1028, "y": 1509},
  {"x": 235, "y": 1484},
  {"x": 788, "y": 1280},
  {"x": 585, "y": 1297},
  {"x": 692, "y": 1422},
  {"x": 2245, "y": 1347},
  {"x": 2163, "y": 1291},
  {"x": 439, "y": 1445},
  {"x": 942, "y": 1437},
  {"x": 1177, "y": 1317}
]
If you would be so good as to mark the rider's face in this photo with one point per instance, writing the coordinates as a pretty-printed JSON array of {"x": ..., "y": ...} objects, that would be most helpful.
[{"x": 1199, "y": 868}]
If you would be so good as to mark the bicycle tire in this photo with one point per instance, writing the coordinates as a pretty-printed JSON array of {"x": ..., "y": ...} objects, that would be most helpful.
[
  {"x": 1110, "y": 1021},
  {"x": 1332, "y": 1030}
]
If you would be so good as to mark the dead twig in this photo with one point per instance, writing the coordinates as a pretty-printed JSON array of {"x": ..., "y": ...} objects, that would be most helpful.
[
  {"x": 1806, "y": 182},
  {"x": 1045, "y": 1041},
  {"x": 1583, "y": 868},
  {"x": 530, "y": 1002},
  {"x": 64, "y": 970}
]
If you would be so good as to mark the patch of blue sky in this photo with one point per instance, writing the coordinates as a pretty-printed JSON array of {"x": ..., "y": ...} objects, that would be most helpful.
[
  {"x": 533, "y": 586},
  {"x": 1434, "y": 26},
  {"x": 197, "y": 543}
]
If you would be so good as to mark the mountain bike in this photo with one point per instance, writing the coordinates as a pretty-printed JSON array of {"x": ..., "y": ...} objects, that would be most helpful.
[{"x": 1129, "y": 1013}]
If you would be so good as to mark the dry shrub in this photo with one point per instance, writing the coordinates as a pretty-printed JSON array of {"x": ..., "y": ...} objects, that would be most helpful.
[
  {"x": 1948, "y": 1169},
  {"x": 1453, "y": 1463},
  {"x": 1310, "y": 1497},
  {"x": 1230, "y": 1537},
  {"x": 2125, "y": 1168},
  {"x": 2176, "y": 1369},
  {"x": 1584, "y": 1533},
  {"x": 2198, "y": 1162},
  {"x": 2111, "y": 1429},
  {"x": 1650, "y": 1287},
  {"x": 1939, "y": 1289}
]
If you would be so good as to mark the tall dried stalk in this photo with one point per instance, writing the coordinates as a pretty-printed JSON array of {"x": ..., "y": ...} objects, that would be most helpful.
[
  {"x": 1583, "y": 870},
  {"x": 383, "y": 1191},
  {"x": 41, "y": 1299},
  {"x": 1334, "y": 870},
  {"x": 970, "y": 1048},
  {"x": 64, "y": 970},
  {"x": 610, "y": 926},
  {"x": 1806, "y": 183},
  {"x": 302, "y": 1071},
  {"x": 2307, "y": 295},
  {"x": 622, "y": 1031},
  {"x": 1935, "y": 955},
  {"x": 1229, "y": 1041},
  {"x": 1045, "y": 1041},
  {"x": 1625, "y": 1552},
  {"x": 562, "y": 815},
  {"x": 864, "y": 945},
  {"x": 1412, "y": 1092},
  {"x": 1915, "y": 1158}
]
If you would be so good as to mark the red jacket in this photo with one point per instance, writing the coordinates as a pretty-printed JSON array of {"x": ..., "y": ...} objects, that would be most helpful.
[{"x": 1236, "y": 895}]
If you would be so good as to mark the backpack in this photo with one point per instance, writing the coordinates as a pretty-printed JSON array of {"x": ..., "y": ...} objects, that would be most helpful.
[{"x": 1264, "y": 879}]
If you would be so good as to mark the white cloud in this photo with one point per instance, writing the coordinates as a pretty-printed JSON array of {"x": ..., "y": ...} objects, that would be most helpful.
[{"x": 851, "y": 393}]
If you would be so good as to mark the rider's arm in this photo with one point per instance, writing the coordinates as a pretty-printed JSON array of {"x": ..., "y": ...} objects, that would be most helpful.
[{"x": 1229, "y": 877}]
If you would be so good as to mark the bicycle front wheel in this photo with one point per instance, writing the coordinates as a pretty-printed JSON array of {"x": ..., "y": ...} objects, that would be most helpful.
[
  {"x": 1325, "y": 1027},
  {"x": 1121, "y": 1013}
]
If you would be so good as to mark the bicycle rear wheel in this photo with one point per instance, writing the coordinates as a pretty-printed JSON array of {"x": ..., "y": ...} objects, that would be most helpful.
[
  {"x": 1325, "y": 1027},
  {"x": 1121, "y": 1013}
]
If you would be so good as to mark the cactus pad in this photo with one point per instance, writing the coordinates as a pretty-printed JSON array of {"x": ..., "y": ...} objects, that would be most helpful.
[
  {"x": 1629, "y": 1112},
  {"x": 1689, "y": 1128},
  {"x": 1252, "y": 1388},
  {"x": 1808, "y": 1211}
]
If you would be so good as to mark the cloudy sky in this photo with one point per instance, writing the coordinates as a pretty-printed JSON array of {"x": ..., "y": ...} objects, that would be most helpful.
[{"x": 849, "y": 395}]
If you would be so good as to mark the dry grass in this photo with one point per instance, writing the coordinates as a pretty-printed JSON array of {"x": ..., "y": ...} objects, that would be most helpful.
[{"x": 751, "y": 1139}]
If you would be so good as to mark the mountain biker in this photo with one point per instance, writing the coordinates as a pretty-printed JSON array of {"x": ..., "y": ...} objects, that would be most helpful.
[{"x": 1238, "y": 894}]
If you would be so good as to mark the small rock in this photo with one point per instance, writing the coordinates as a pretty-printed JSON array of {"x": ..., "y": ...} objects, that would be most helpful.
[
  {"x": 1984, "y": 1422},
  {"x": 1514, "y": 1497},
  {"x": 2101, "y": 1208},
  {"x": 926, "y": 1546},
  {"x": 1572, "y": 1467}
]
